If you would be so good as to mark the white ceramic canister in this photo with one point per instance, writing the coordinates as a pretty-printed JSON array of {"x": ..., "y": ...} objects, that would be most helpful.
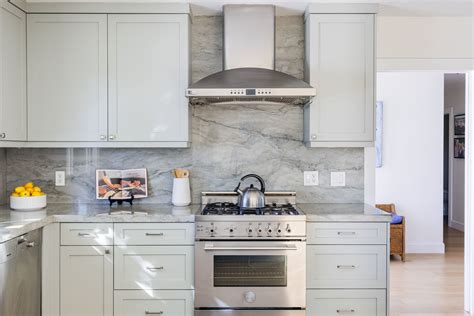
[{"x": 181, "y": 192}]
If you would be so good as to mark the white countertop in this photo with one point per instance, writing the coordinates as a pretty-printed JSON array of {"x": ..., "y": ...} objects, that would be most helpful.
[
  {"x": 16, "y": 223},
  {"x": 343, "y": 212}
]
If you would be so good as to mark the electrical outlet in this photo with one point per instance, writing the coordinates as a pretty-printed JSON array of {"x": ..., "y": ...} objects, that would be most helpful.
[
  {"x": 311, "y": 178},
  {"x": 60, "y": 178},
  {"x": 338, "y": 179}
]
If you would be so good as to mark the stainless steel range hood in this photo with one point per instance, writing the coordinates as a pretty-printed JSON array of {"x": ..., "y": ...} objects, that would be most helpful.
[{"x": 249, "y": 63}]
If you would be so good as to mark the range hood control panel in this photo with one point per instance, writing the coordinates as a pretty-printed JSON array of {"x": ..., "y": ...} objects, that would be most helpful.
[{"x": 250, "y": 92}]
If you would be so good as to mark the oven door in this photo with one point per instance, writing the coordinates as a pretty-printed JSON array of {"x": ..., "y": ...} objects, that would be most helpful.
[{"x": 250, "y": 274}]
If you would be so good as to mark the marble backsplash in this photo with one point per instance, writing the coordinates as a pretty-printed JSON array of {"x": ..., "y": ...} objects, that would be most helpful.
[{"x": 227, "y": 142}]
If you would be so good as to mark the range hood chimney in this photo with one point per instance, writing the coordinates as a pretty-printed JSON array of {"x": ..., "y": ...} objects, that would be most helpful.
[{"x": 249, "y": 63}]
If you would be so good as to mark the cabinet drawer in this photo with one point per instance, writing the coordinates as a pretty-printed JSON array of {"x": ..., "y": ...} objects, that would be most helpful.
[
  {"x": 347, "y": 233},
  {"x": 86, "y": 234},
  {"x": 154, "y": 267},
  {"x": 342, "y": 266},
  {"x": 154, "y": 234},
  {"x": 166, "y": 303},
  {"x": 346, "y": 302}
]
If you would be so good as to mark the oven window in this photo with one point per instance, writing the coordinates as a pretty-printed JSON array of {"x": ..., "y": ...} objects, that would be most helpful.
[{"x": 261, "y": 271}]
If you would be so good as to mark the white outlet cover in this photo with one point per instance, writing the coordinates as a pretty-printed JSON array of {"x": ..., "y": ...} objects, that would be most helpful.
[
  {"x": 338, "y": 179},
  {"x": 60, "y": 178},
  {"x": 311, "y": 178}
]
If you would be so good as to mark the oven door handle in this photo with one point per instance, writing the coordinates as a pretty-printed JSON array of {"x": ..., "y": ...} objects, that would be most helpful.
[{"x": 210, "y": 247}]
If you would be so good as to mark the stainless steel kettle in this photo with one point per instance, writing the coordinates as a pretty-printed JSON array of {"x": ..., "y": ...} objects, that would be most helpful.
[{"x": 251, "y": 197}]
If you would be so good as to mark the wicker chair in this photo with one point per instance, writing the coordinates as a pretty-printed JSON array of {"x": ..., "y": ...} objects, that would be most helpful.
[{"x": 397, "y": 232}]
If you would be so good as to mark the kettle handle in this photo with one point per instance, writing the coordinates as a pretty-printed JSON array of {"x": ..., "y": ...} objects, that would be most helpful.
[{"x": 252, "y": 175}]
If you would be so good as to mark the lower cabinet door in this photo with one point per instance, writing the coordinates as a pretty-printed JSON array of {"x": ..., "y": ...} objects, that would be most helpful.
[
  {"x": 346, "y": 302},
  {"x": 86, "y": 281},
  {"x": 148, "y": 302},
  {"x": 154, "y": 267}
]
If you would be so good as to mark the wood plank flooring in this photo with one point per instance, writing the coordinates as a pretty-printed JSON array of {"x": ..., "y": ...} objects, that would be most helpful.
[{"x": 430, "y": 284}]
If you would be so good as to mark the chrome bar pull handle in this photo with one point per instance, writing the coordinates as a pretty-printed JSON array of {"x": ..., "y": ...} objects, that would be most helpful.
[
  {"x": 154, "y": 234},
  {"x": 154, "y": 313},
  {"x": 155, "y": 268},
  {"x": 346, "y": 266},
  {"x": 346, "y": 233},
  {"x": 86, "y": 235},
  {"x": 345, "y": 311}
]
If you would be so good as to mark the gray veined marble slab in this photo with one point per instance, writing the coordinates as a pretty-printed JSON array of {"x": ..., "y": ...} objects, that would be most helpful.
[
  {"x": 343, "y": 212},
  {"x": 16, "y": 223}
]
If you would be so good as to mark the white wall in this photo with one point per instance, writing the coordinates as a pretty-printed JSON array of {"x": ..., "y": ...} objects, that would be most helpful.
[
  {"x": 412, "y": 171},
  {"x": 455, "y": 97},
  {"x": 425, "y": 43}
]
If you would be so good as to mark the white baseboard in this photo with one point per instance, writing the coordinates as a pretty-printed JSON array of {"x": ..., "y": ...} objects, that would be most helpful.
[
  {"x": 425, "y": 248},
  {"x": 456, "y": 225}
]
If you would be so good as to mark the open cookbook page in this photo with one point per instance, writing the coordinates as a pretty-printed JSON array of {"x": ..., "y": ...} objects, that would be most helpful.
[{"x": 121, "y": 184}]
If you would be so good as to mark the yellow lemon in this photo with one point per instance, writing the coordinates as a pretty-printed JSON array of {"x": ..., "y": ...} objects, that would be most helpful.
[
  {"x": 42, "y": 193},
  {"x": 36, "y": 193},
  {"x": 29, "y": 185},
  {"x": 25, "y": 194},
  {"x": 15, "y": 194},
  {"x": 19, "y": 189},
  {"x": 30, "y": 190},
  {"x": 36, "y": 189}
]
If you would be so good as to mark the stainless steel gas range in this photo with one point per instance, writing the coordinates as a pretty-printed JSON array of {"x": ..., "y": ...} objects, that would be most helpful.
[{"x": 250, "y": 261}]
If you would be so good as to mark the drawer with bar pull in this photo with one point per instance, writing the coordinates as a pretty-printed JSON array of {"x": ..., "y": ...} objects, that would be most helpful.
[
  {"x": 346, "y": 266},
  {"x": 87, "y": 234},
  {"x": 153, "y": 267},
  {"x": 153, "y": 303},
  {"x": 346, "y": 302},
  {"x": 347, "y": 233},
  {"x": 154, "y": 234}
]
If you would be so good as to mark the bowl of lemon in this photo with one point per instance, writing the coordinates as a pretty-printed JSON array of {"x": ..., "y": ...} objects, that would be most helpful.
[{"x": 28, "y": 197}]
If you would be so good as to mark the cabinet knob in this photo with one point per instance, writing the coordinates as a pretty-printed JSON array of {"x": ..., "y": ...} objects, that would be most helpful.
[
  {"x": 112, "y": 137},
  {"x": 3, "y": 135},
  {"x": 107, "y": 252},
  {"x": 103, "y": 137},
  {"x": 313, "y": 136}
]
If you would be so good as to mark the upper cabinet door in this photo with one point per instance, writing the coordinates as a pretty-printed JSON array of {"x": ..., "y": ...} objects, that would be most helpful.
[
  {"x": 148, "y": 77},
  {"x": 67, "y": 77},
  {"x": 340, "y": 64},
  {"x": 13, "y": 73}
]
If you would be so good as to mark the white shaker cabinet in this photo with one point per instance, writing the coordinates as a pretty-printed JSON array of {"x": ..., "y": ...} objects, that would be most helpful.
[
  {"x": 67, "y": 77},
  {"x": 340, "y": 62},
  {"x": 13, "y": 73},
  {"x": 148, "y": 75},
  {"x": 86, "y": 280}
]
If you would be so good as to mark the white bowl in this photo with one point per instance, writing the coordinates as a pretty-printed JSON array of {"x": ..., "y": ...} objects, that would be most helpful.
[{"x": 29, "y": 203}]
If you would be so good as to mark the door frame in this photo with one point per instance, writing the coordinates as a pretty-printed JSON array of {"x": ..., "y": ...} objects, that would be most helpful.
[
  {"x": 469, "y": 200},
  {"x": 450, "y": 112}
]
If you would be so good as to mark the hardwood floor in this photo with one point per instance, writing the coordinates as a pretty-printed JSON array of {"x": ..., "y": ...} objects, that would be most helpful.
[{"x": 429, "y": 284}]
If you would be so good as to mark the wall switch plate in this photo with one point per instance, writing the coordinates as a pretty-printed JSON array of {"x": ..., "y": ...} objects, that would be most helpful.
[
  {"x": 338, "y": 179},
  {"x": 60, "y": 178},
  {"x": 311, "y": 178}
]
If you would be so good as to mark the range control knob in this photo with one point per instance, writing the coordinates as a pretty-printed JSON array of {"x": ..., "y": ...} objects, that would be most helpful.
[
  {"x": 288, "y": 229},
  {"x": 269, "y": 229},
  {"x": 212, "y": 229},
  {"x": 231, "y": 229},
  {"x": 279, "y": 229},
  {"x": 250, "y": 297},
  {"x": 260, "y": 229},
  {"x": 250, "y": 230}
]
